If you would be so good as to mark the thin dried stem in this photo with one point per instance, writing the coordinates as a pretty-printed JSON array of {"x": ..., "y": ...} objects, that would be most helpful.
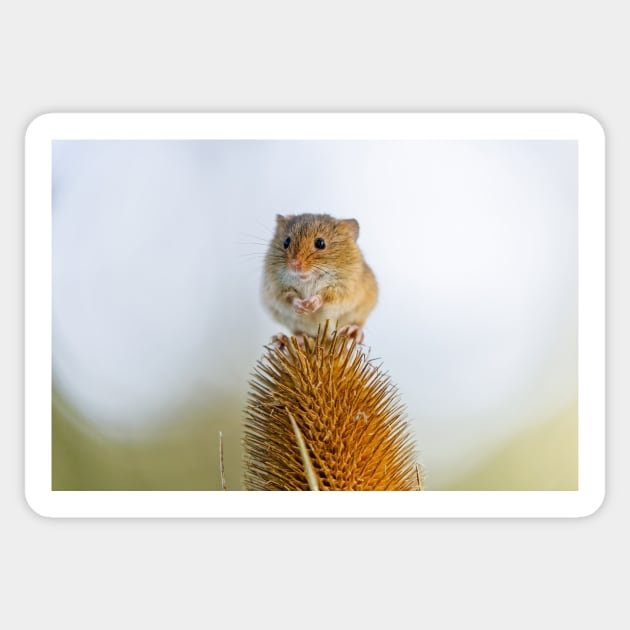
[{"x": 221, "y": 464}]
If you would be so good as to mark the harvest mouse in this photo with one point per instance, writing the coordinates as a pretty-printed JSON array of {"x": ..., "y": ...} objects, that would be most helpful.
[{"x": 315, "y": 271}]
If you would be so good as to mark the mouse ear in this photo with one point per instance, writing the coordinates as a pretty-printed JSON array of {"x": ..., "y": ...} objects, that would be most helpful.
[
  {"x": 353, "y": 227},
  {"x": 281, "y": 221}
]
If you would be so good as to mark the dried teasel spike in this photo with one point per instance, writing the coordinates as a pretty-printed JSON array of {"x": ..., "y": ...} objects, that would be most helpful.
[{"x": 322, "y": 410}]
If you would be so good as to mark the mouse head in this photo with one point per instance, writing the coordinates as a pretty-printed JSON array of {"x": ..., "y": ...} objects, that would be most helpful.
[{"x": 311, "y": 245}]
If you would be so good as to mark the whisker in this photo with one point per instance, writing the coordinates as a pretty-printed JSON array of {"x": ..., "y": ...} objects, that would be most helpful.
[
  {"x": 251, "y": 235},
  {"x": 252, "y": 239},
  {"x": 264, "y": 227},
  {"x": 262, "y": 245},
  {"x": 324, "y": 271}
]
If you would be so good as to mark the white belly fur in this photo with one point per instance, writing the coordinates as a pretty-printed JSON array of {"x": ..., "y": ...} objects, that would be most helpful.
[{"x": 309, "y": 323}]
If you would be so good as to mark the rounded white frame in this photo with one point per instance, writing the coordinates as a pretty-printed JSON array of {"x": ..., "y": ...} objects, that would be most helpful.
[{"x": 385, "y": 126}]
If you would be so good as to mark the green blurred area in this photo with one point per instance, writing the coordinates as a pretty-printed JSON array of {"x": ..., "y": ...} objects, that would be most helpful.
[
  {"x": 541, "y": 457},
  {"x": 182, "y": 454}
]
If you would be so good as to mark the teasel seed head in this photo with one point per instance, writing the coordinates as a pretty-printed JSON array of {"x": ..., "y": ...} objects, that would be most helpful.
[{"x": 322, "y": 412}]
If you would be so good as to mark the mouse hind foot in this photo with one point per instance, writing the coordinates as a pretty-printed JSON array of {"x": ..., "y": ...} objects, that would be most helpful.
[
  {"x": 353, "y": 331},
  {"x": 281, "y": 341}
]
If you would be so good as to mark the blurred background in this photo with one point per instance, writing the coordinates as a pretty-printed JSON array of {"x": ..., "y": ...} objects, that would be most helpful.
[{"x": 157, "y": 321}]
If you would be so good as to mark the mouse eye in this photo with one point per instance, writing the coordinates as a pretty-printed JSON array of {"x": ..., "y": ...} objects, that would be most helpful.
[
  {"x": 287, "y": 242},
  {"x": 320, "y": 243}
]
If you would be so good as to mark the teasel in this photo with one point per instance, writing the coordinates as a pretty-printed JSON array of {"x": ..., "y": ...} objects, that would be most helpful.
[{"x": 322, "y": 416}]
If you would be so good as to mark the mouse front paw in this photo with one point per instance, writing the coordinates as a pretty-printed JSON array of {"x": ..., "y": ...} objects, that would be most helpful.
[
  {"x": 298, "y": 306},
  {"x": 309, "y": 305}
]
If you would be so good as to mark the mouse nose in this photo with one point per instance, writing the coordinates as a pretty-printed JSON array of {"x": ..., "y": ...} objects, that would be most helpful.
[{"x": 295, "y": 265}]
